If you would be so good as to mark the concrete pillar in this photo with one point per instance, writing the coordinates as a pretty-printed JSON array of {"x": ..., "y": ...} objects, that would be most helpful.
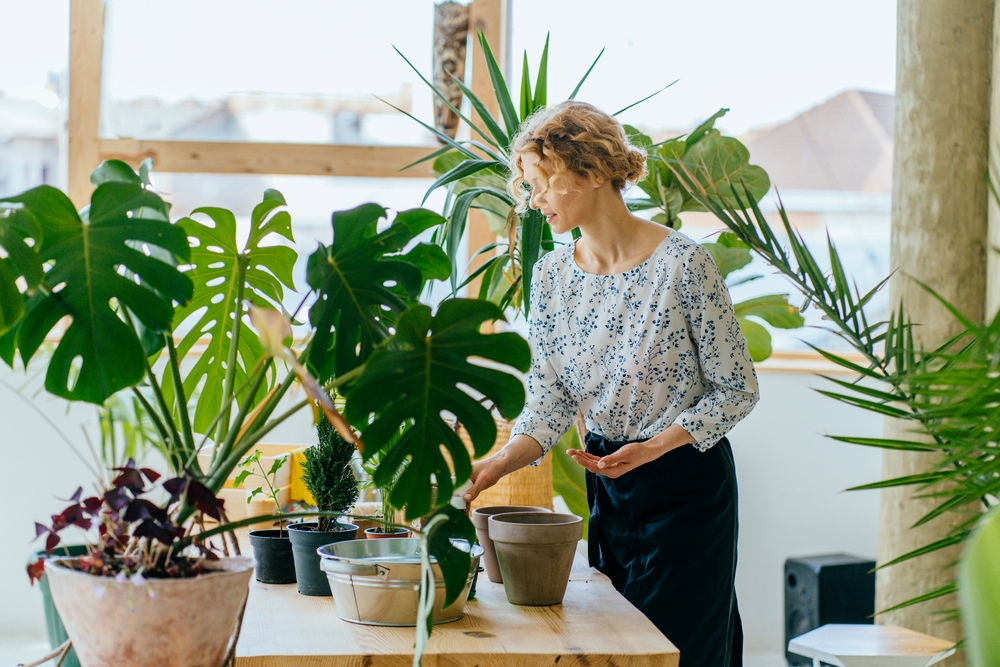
[
  {"x": 939, "y": 232},
  {"x": 993, "y": 207}
]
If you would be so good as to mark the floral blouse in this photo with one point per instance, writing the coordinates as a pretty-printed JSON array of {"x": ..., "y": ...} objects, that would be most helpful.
[{"x": 636, "y": 351}]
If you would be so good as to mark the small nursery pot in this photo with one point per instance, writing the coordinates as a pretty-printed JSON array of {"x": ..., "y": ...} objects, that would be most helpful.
[
  {"x": 374, "y": 534},
  {"x": 480, "y": 519},
  {"x": 272, "y": 555},
  {"x": 535, "y": 551},
  {"x": 305, "y": 540}
]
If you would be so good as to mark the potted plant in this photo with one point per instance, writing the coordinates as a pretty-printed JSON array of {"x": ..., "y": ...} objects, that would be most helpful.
[
  {"x": 272, "y": 549},
  {"x": 135, "y": 565},
  {"x": 385, "y": 526},
  {"x": 328, "y": 475},
  {"x": 125, "y": 279}
]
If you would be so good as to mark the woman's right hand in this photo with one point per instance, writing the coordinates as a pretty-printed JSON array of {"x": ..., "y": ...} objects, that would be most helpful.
[
  {"x": 485, "y": 473},
  {"x": 519, "y": 452}
]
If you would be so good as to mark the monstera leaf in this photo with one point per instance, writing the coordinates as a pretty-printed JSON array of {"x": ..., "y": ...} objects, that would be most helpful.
[
  {"x": 16, "y": 228},
  {"x": 224, "y": 276},
  {"x": 362, "y": 281},
  {"x": 455, "y": 561},
  {"x": 85, "y": 262},
  {"x": 422, "y": 373}
]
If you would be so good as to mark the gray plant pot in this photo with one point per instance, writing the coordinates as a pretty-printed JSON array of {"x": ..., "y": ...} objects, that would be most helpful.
[
  {"x": 480, "y": 519},
  {"x": 535, "y": 552},
  {"x": 305, "y": 540},
  {"x": 272, "y": 554}
]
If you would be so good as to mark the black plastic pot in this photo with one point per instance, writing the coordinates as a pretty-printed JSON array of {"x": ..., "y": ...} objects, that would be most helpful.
[
  {"x": 53, "y": 624},
  {"x": 272, "y": 556},
  {"x": 305, "y": 540}
]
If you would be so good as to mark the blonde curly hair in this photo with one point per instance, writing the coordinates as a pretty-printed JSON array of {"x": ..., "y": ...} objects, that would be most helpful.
[{"x": 574, "y": 137}]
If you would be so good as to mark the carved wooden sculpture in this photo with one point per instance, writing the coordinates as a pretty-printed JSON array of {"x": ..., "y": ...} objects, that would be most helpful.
[{"x": 451, "y": 30}]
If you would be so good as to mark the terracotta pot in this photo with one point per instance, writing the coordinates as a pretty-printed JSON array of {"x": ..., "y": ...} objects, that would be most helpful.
[
  {"x": 374, "y": 534},
  {"x": 480, "y": 519},
  {"x": 309, "y": 579},
  {"x": 535, "y": 552},
  {"x": 164, "y": 623}
]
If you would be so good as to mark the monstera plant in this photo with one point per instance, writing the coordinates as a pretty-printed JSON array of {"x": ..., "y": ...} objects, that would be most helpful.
[{"x": 128, "y": 291}]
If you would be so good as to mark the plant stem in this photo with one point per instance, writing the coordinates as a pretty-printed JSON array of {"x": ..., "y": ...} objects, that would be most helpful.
[
  {"x": 234, "y": 346},
  {"x": 180, "y": 401}
]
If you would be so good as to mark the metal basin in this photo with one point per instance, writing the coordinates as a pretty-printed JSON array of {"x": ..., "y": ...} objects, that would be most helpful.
[{"x": 376, "y": 582}]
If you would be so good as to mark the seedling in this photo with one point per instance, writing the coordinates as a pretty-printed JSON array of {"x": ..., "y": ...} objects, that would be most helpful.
[{"x": 269, "y": 477}]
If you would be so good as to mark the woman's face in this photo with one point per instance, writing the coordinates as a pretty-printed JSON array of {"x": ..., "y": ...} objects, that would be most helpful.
[{"x": 562, "y": 210}]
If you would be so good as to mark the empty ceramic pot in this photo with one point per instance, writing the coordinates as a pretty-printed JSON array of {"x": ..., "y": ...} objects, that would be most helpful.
[
  {"x": 535, "y": 552},
  {"x": 480, "y": 519}
]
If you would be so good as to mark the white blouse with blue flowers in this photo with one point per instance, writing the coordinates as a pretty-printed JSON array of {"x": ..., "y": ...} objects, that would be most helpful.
[{"x": 636, "y": 351}]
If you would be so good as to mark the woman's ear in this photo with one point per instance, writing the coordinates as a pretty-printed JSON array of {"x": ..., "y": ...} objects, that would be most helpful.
[{"x": 596, "y": 181}]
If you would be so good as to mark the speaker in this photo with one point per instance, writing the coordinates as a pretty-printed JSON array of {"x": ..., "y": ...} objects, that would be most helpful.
[{"x": 835, "y": 588}]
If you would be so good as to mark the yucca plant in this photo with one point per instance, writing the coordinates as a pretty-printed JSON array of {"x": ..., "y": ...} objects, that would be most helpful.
[{"x": 950, "y": 394}]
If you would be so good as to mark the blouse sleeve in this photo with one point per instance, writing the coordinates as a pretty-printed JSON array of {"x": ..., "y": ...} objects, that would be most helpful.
[
  {"x": 549, "y": 411},
  {"x": 722, "y": 354}
]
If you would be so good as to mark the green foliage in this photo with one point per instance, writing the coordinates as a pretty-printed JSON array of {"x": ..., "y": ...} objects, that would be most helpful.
[
  {"x": 979, "y": 591},
  {"x": 82, "y": 260},
  {"x": 731, "y": 254},
  {"x": 122, "y": 273},
  {"x": 328, "y": 475},
  {"x": 478, "y": 182},
  {"x": 721, "y": 166},
  {"x": 225, "y": 276},
  {"x": 948, "y": 394},
  {"x": 355, "y": 303},
  {"x": 569, "y": 479},
  {"x": 415, "y": 377},
  {"x": 267, "y": 476},
  {"x": 455, "y": 563}
]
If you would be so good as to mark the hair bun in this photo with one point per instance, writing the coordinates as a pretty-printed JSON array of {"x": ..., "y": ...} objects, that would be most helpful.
[{"x": 575, "y": 137}]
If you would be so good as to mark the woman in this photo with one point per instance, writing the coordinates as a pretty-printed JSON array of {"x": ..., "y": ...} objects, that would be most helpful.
[{"x": 633, "y": 326}]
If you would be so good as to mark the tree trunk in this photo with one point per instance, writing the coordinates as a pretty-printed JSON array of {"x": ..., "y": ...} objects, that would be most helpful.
[{"x": 939, "y": 232}]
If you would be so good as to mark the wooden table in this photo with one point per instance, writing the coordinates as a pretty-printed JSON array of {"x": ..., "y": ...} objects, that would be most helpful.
[
  {"x": 594, "y": 626},
  {"x": 870, "y": 646}
]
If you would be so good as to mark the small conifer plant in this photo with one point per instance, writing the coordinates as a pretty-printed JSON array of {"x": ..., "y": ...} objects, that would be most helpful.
[{"x": 328, "y": 474}]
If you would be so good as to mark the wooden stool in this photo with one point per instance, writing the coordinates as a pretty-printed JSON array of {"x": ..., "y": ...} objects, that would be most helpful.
[{"x": 870, "y": 646}]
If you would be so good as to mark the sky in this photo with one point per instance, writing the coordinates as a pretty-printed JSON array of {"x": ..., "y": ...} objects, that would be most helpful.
[{"x": 765, "y": 60}]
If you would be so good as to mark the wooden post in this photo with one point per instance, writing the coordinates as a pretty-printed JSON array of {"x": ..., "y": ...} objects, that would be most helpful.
[
  {"x": 939, "y": 237},
  {"x": 86, "y": 52},
  {"x": 490, "y": 17}
]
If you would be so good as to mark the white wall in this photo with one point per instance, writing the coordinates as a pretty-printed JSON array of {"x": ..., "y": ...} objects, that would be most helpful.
[
  {"x": 791, "y": 480},
  {"x": 790, "y": 477}
]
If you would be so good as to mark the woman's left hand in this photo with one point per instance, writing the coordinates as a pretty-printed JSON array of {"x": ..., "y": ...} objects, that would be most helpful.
[{"x": 629, "y": 457}]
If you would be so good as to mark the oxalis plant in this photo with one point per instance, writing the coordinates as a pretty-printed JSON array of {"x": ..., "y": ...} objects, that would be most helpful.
[
  {"x": 948, "y": 394},
  {"x": 133, "y": 290}
]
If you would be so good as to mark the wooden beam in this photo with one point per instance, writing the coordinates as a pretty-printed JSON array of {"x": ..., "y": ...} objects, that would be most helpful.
[
  {"x": 490, "y": 17},
  {"x": 226, "y": 157},
  {"x": 86, "y": 53}
]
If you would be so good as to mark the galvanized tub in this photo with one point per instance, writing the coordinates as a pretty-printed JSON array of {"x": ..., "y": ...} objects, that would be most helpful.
[{"x": 376, "y": 582}]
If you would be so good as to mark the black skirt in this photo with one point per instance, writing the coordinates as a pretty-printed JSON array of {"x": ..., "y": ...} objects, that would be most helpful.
[{"x": 665, "y": 534}]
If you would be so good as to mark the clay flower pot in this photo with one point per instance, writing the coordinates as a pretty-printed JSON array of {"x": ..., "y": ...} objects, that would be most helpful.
[
  {"x": 272, "y": 554},
  {"x": 535, "y": 552},
  {"x": 159, "y": 623},
  {"x": 375, "y": 534},
  {"x": 305, "y": 540},
  {"x": 480, "y": 519}
]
